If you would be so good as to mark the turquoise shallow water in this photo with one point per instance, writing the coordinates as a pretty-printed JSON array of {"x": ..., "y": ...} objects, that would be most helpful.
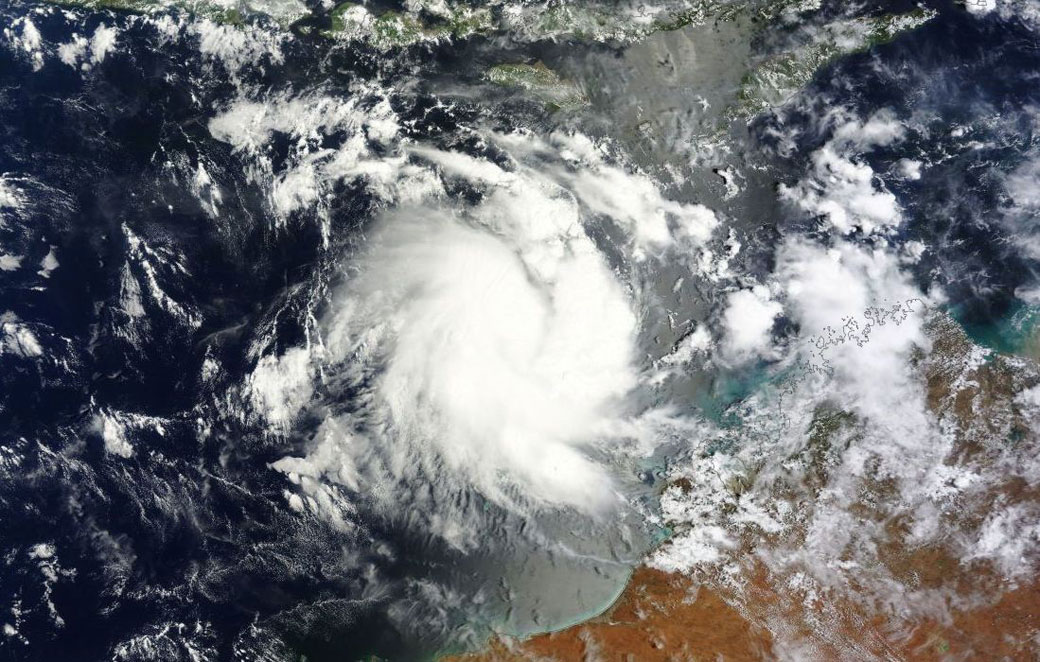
[
  {"x": 1012, "y": 333},
  {"x": 730, "y": 387}
]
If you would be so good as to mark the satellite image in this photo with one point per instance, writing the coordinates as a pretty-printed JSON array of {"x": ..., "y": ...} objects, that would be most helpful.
[{"x": 519, "y": 330}]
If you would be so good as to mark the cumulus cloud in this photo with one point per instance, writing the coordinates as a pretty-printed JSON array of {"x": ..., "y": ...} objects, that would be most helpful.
[
  {"x": 748, "y": 321},
  {"x": 1026, "y": 11},
  {"x": 628, "y": 198},
  {"x": 909, "y": 169},
  {"x": 102, "y": 43},
  {"x": 980, "y": 6},
  {"x": 237, "y": 46},
  {"x": 80, "y": 52},
  {"x": 696, "y": 342},
  {"x": 25, "y": 39},
  {"x": 1009, "y": 538},
  {"x": 280, "y": 386},
  {"x": 113, "y": 434},
  {"x": 117, "y": 429},
  {"x": 858, "y": 320},
  {"x": 841, "y": 298},
  {"x": 305, "y": 182},
  {"x": 17, "y": 338},
  {"x": 371, "y": 150},
  {"x": 1020, "y": 186},
  {"x": 10, "y": 196},
  {"x": 73, "y": 51},
  {"x": 844, "y": 190},
  {"x": 49, "y": 263}
]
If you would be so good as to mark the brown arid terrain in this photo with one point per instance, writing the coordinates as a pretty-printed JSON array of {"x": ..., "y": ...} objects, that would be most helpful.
[
  {"x": 665, "y": 617},
  {"x": 660, "y": 617},
  {"x": 950, "y": 594}
]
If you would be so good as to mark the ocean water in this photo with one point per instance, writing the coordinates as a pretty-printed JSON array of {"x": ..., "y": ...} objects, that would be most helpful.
[{"x": 169, "y": 259}]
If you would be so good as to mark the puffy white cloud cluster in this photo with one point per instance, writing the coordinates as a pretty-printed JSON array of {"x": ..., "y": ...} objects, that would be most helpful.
[
  {"x": 1026, "y": 11},
  {"x": 859, "y": 321},
  {"x": 697, "y": 342},
  {"x": 844, "y": 190},
  {"x": 232, "y": 48},
  {"x": 629, "y": 199},
  {"x": 117, "y": 428},
  {"x": 10, "y": 196},
  {"x": 25, "y": 39},
  {"x": 1020, "y": 186},
  {"x": 747, "y": 321},
  {"x": 828, "y": 287},
  {"x": 12, "y": 201},
  {"x": 17, "y": 338},
  {"x": 81, "y": 52},
  {"x": 281, "y": 386},
  {"x": 306, "y": 182}
]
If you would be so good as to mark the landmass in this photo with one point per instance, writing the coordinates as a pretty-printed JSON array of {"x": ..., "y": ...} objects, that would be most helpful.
[
  {"x": 540, "y": 81},
  {"x": 947, "y": 594}
]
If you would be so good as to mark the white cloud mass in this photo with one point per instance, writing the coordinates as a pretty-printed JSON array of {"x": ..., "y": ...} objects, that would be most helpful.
[
  {"x": 748, "y": 320},
  {"x": 842, "y": 188}
]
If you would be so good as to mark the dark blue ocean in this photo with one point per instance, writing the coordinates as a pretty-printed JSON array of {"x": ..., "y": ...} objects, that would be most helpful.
[{"x": 189, "y": 537}]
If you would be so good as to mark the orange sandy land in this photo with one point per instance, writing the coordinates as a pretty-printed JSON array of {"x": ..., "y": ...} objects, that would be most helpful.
[
  {"x": 663, "y": 617},
  {"x": 659, "y": 617}
]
